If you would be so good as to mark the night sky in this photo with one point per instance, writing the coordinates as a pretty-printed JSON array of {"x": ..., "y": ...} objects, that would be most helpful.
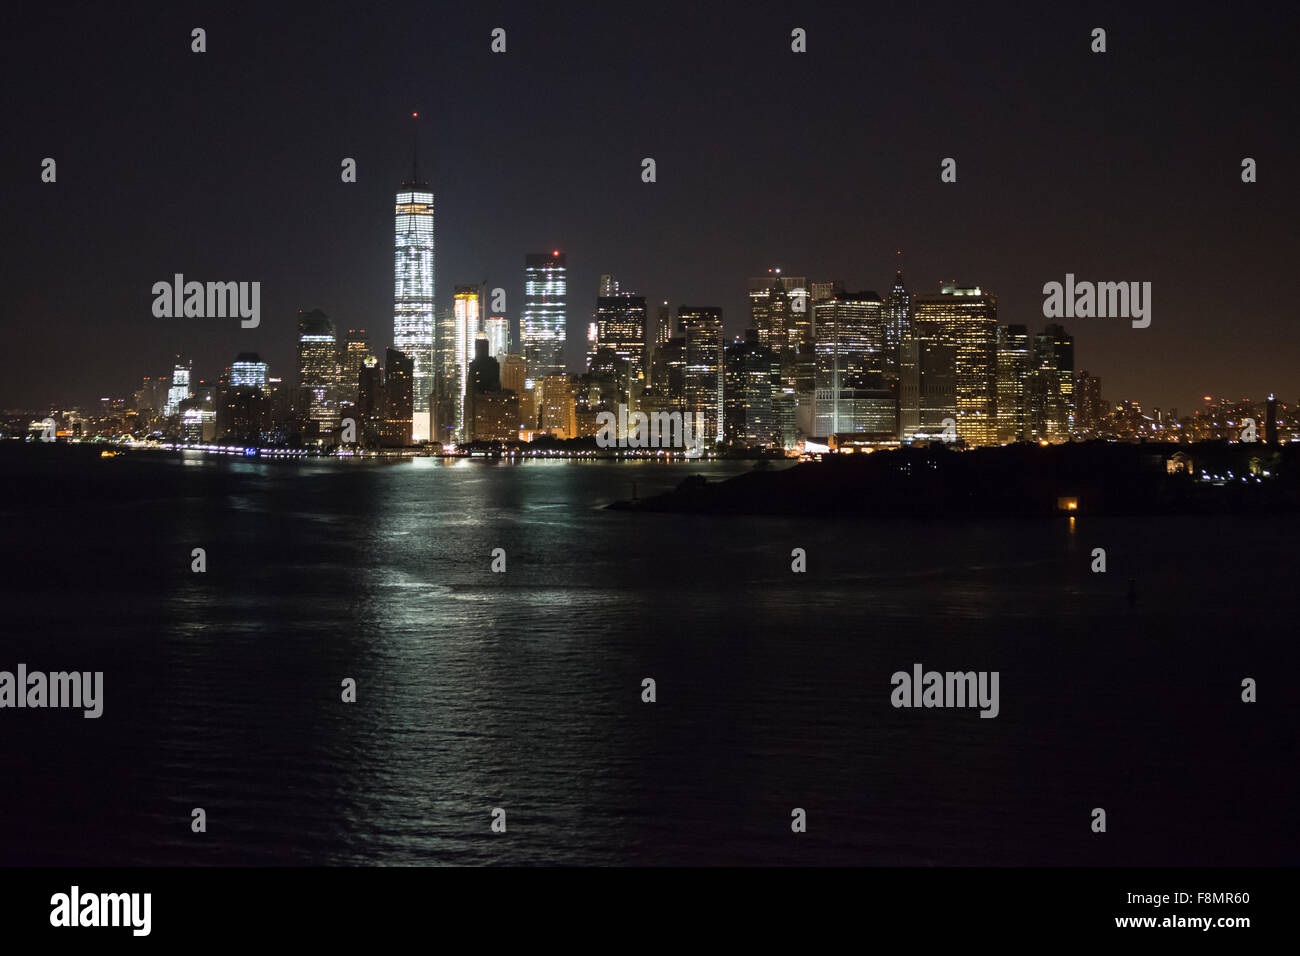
[{"x": 225, "y": 166}]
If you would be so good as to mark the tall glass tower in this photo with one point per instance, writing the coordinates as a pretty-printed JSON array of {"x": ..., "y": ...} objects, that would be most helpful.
[
  {"x": 967, "y": 320},
  {"x": 180, "y": 388},
  {"x": 468, "y": 326},
  {"x": 898, "y": 322},
  {"x": 704, "y": 378},
  {"x": 413, "y": 313},
  {"x": 543, "y": 323}
]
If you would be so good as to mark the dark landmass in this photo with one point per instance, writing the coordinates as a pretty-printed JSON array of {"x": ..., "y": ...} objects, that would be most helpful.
[{"x": 1024, "y": 479}]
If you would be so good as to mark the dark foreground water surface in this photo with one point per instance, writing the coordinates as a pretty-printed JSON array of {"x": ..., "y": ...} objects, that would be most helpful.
[{"x": 522, "y": 690}]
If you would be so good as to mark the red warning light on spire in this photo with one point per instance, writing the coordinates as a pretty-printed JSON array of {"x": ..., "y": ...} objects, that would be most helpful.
[
  {"x": 415, "y": 116},
  {"x": 556, "y": 252}
]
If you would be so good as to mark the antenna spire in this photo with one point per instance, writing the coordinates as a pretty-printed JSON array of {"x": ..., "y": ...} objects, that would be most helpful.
[{"x": 415, "y": 150}]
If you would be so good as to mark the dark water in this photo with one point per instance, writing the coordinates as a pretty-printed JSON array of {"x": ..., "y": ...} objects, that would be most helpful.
[{"x": 522, "y": 690}]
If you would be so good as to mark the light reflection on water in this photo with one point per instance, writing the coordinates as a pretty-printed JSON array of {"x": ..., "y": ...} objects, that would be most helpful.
[{"x": 522, "y": 690}]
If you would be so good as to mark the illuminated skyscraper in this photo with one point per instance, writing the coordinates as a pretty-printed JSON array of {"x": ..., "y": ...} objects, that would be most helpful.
[
  {"x": 497, "y": 328},
  {"x": 399, "y": 395},
  {"x": 180, "y": 387},
  {"x": 466, "y": 310},
  {"x": 704, "y": 377},
  {"x": 620, "y": 324},
  {"x": 372, "y": 402},
  {"x": 543, "y": 322},
  {"x": 558, "y": 412},
  {"x": 822, "y": 291},
  {"x": 1089, "y": 409},
  {"x": 354, "y": 350},
  {"x": 318, "y": 370},
  {"x": 513, "y": 372},
  {"x": 248, "y": 369},
  {"x": 898, "y": 322},
  {"x": 1051, "y": 385},
  {"x": 772, "y": 310},
  {"x": 967, "y": 319},
  {"x": 413, "y": 295},
  {"x": 151, "y": 397},
  {"x": 927, "y": 389},
  {"x": 1014, "y": 365},
  {"x": 593, "y": 342},
  {"x": 663, "y": 324},
  {"x": 851, "y": 391},
  {"x": 752, "y": 381}
]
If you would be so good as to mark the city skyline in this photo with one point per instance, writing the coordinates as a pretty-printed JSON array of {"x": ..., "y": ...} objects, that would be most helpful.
[
  {"x": 724, "y": 201},
  {"x": 467, "y": 311},
  {"x": 571, "y": 436}
]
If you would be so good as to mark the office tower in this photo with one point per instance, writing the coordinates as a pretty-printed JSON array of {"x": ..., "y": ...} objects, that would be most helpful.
[
  {"x": 198, "y": 413},
  {"x": 496, "y": 416},
  {"x": 513, "y": 373},
  {"x": 785, "y": 409},
  {"x": 1270, "y": 420},
  {"x": 704, "y": 377},
  {"x": 557, "y": 413},
  {"x": 663, "y": 324},
  {"x": 543, "y": 322},
  {"x": 752, "y": 380},
  {"x": 152, "y": 395},
  {"x": 608, "y": 286},
  {"x": 760, "y": 286},
  {"x": 413, "y": 296},
  {"x": 242, "y": 413},
  {"x": 967, "y": 319},
  {"x": 399, "y": 393},
  {"x": 180, "y": 387},
  {"x": 851, "y": 392},
  {"x": 927, "y": 386},
  {"x": 279, "y": 398},
  {"x": 1051, "y": 386},
  {"x": 782, "y": 317},
  {"x": 898, "y": 322},
  {"x": 354, "y": 350},
  {"x": 593, "y": 342},
  {"x": 248, "y": 369},
  {"x": 484, "y": 370},
  {"x": 781, "y": 312},
  {"x": 799, "y": 322},
  {"x": 318, "y": 371},
  {"x": 146, "y": 401},
  {"x": 620, "y": 326},
  {"x": 1015, "y": 354},
  {"x": 466, "y": 310},
  {"x": 372, "y": 403},
  {"x": 1090, "y": 410},
  {"x": 656, "y": 336},
  {"x": 483, "y": 379},
  {"x": 769, "y": 313},
  {"x": 821, "y": 291},
  {"x": 669, "y": 371},
  {"x": 497, "y": 328},
  {"x": 514, "y": 378},
  {"x": 446, "y": 386}
]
